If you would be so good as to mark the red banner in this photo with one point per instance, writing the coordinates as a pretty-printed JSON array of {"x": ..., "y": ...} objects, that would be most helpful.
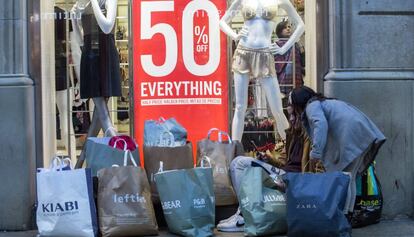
[{"x": 180, "y": 66}]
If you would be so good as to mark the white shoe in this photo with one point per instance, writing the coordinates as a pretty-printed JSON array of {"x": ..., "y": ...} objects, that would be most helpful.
[
  {"x": 231, "y": 217},
  {"x": 235, "y": 223}
]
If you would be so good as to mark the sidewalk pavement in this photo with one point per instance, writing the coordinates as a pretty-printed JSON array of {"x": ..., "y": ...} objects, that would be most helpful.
[{"x": 386, "y": 228}]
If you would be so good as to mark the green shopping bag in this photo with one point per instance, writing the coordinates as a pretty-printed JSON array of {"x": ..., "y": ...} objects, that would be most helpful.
[
  {"x": 187, "y": 200},
  {"x": 262, "y": 205}
]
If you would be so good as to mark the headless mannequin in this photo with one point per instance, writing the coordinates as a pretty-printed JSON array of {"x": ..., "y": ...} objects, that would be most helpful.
[
  {"x": 62, "y": 92},
  {"x": 101, "y": 118},
  {"x": 256, "y": 34}
]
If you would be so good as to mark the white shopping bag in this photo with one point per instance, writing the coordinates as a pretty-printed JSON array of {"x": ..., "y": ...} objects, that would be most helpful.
[{"x": 65, "y": 202}]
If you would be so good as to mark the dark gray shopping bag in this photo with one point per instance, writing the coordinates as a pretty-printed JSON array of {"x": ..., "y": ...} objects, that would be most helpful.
[
  {"x": 262, "y": 205},
  {"x": 179, "y": 157},
  {"x": 187, "y": 200},
  {"x": 99, "y": 155},
  {"x": 315, "y": 203},
  {"x": 221, "y": 153},
  {"x": 124, "y": 202}
]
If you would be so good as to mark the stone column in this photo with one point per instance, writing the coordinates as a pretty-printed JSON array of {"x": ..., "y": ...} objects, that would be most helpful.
[
  {"x": 17, "y": 119},
  {"x": 371, "y": 65}
]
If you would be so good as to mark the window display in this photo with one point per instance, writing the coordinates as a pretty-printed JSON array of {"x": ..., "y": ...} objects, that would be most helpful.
[{"x": 93, "y": 61}]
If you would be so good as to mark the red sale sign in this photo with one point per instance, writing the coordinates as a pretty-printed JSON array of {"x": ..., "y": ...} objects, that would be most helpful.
[{"x": 180, "y": 65}]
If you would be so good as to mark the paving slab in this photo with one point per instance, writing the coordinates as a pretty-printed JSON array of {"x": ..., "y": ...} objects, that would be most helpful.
[{"x": 386, "y": 228}]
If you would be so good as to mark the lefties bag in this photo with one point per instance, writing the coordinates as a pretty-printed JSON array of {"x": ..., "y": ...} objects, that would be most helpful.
[
  {"x": 99, "y": 154},
  {"x": 124, "y": 202},
  {"x": 187, "y": 200},
  {"x": 315, "y": 204},
  {"x": 262, "y": 205},
  {"x": 65, "y": 202},
  {"x": 369, "y": 201},
  {"x": 221, "y": 153},
  {"x": 179, "y": 157},
  {"x": 164, "y": 133}
]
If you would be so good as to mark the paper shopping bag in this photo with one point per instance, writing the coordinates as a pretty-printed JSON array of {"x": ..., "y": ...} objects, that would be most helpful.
[
  {"x": 65, "y": 207},
  {"x": 180, "y": 157},
  {"x": 187, "y": 200},
  {"x": 124, "y": 202}
]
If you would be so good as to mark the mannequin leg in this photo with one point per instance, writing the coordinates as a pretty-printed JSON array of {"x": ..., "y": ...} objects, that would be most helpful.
[
  {"x": 274, "y": 98},
  {"x": 95, "y": 125},
  {"x": 101, "y": 110},
  {"x": 241, "y": 84},
  {"x": 62, "y": 103}
]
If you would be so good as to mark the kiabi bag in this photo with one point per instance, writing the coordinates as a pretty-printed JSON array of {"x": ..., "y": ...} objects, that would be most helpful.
[{"x": 66, "y": 206}]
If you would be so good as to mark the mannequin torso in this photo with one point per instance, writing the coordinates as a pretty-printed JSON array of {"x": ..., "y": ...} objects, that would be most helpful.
[
  {"x": 258, "y": 15},
  {"x": 253, "y": 57}
]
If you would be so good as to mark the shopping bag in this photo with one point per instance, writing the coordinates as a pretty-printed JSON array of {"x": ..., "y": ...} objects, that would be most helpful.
[
  {"x": 65, "y": 204},
  {"x": 315, "y": 203},
  {"x": 99, "y": 155},
  {"x": 262, "y": 205},
  {"x": 187, "y": 200},
  {"x": 221, "y": 154},
  {"x": 164, "y": 133},
  {"x": 180, "y": 157},
  {"x": 124, "y": 202},
  {"x": 369, "y": 201}
]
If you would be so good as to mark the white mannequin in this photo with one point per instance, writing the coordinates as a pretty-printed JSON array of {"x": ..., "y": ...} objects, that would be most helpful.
[
  {"x": 62, "y": 104},
  {"x": 63, "y": 107},
  {"x": 101, "y": 117},
  {"x": 256, "y": 34}
]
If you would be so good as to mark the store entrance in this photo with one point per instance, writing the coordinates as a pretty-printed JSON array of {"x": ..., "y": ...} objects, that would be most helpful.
[{"x": 70, "y": 116}]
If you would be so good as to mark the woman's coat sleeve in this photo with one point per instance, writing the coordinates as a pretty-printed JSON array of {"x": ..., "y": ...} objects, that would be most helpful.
[{"x": 319, "y": 127}]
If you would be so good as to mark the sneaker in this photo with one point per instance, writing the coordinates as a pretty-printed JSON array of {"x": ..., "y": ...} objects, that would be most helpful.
[
  {"x": 233, "y": 224},
  {"x": 231, "y": 217}
]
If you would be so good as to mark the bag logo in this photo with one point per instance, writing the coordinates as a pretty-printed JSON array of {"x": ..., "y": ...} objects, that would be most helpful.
[
  {"x": 66, "y": 208},
  {"x": 126, "y": 198},
  {"x": 273, "y": 198},
  {"x": 305, "y": 206},
  {"x": 220, "y": 170},
  {"x": 369, "y": 203},
  {"x": 171, "y": 204},
  {"x": 199, "y": 203}
]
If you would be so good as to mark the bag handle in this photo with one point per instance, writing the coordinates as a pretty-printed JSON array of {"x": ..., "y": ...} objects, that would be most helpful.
[
  {"x": 161, "y": 169},
  {"x": 205, "y": 159},
  {"x": 58, "y": 163},
  {"x": 171, "y": 137},
  {"x": 161, "y": 120},
  {"x": 109, "y": 128},
  {"x": 120, "y": 139},
  {"x": 130, "y": 157},
  {"x": 220, "y": 135}
]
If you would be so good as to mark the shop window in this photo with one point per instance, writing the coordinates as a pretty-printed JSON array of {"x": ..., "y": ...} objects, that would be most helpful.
[
  {"x": 259, "y": 123},
  {"x": 73, "y": 114}
]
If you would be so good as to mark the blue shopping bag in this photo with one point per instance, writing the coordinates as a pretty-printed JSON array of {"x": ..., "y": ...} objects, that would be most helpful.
[
  {"x": 315, "y": 203},
  {"x": 164, "y": 133}
]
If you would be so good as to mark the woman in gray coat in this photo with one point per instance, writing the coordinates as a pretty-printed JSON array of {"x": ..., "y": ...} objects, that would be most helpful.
[{"x": 343, "y": 137}]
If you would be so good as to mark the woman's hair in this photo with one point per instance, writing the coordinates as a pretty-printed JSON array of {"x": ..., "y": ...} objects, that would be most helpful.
[
  {"x": 280, "y": 27},
  {"x": 299, "y": 97}
]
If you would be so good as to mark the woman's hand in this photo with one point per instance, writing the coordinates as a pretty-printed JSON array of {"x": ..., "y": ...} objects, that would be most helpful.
[
  {"x": 313, "y": 163},
  {"x": 244, "y": 31},
  {"x": 275, "y": 49}
]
